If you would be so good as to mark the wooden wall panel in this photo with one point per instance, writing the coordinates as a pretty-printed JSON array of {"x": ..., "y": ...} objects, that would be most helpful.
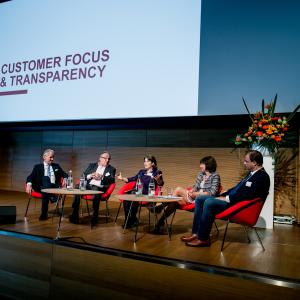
[
  {"x": 126, "y": 138},
  {"x": 6, "y": 154},
  {"x": 297, "y": 204},
  {"x": 168, "y": 138},
  {"x": 178, "y": 152},
  {"x": 211, "y": 138},
  {"x": 62, "y": 143},
  {"x": 26, "y": 153},
  {"x": 90, "y": 138}
]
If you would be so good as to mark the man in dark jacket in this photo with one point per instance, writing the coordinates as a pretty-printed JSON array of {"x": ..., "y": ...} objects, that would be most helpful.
[
  {"x": 255, "y": 184},
  {"x": 45, "y": 175},
  {"x": 99, "y": 176}
]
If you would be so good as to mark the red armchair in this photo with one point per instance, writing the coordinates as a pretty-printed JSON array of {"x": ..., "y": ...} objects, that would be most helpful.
[
  {"x": 37, "y": 195},
  {"x": 191, "y": 206},
  {"x": 245, "y": 213}
]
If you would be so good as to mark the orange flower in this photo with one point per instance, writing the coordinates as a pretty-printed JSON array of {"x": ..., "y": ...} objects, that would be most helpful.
[
  {"x": 269, "y": 131},
  {"x": 277, "y": 139},
  {"x": 259, "y": 133}
]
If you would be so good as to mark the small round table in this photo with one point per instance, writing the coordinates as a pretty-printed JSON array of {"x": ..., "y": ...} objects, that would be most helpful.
[
  {"x": 62, "y": 193},
  {"x": 141, "y": 199}
]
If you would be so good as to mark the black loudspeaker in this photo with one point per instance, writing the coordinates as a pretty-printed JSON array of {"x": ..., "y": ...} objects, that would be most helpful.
[{"x": 8, "y": 214}]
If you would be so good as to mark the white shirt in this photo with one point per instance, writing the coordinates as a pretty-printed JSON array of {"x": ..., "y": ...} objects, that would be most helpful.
[
  {"x": 94, "y": 181},
  {"x": 46, "y": 173}
]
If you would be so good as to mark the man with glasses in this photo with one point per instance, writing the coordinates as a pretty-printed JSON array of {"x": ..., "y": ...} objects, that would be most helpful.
[{"x": 99, "y": 176}]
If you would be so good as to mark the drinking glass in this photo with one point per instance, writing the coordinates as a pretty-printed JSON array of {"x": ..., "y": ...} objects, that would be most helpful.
[
  {"x": 170, "y": 192},
  {"x": 64, "y": 183},
  {"x": 159, "y": 189}
]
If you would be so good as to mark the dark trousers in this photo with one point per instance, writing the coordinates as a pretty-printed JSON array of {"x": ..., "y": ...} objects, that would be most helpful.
[
  {"x": 96, "y": 201},
  {"x": 206, "y": 208},
  {"x": 170, "y": 208},
  {"x": 47, "y": 197}
]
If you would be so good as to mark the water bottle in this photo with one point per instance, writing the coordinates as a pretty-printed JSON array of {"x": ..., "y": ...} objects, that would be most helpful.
[
  {"x": 151, "y": 188},
  {"x": 70, "y": 180},
  {"x": 82, "y": 183},
  {"x": 139, "y": 187}
]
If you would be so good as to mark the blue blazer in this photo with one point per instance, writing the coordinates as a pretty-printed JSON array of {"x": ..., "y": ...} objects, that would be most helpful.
[{"x": 256, "y": 186}]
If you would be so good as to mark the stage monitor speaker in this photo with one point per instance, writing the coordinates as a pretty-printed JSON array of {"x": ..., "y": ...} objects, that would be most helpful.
[{"x": 8, "y": 214}]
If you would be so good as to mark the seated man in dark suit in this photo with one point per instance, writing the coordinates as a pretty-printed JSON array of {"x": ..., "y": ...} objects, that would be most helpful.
[
  {"x": 45, "y": 175},
  {"x": 255, "y": 184},
  {"x": 99, "y": 176}
]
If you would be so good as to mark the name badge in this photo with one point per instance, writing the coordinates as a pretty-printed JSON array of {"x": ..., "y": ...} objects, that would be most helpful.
[{"x": 248, "y": 183}]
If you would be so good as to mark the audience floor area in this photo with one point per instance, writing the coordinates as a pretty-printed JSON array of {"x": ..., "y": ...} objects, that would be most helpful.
[{"x": 281, "y": 257}]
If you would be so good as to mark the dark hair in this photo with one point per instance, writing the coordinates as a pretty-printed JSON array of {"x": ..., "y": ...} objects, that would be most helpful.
[
  {"x": 210, "y": 163},
  {"x": 256, "y": 156},
  {"x": 152, "y": 159}
]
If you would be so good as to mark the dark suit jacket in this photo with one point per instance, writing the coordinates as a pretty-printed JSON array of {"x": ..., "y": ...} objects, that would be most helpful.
[
  {"x": 256, "y": 186},
  {"x": 36, "y": 176},
  {"x": 108, "y": 175}
]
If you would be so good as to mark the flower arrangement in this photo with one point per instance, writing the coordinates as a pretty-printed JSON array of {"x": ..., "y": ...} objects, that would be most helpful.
[{"x": 268, "y": 129}]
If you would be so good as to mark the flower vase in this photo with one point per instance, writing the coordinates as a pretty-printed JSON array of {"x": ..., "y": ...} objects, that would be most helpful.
[{"x": 265, "y": 219}]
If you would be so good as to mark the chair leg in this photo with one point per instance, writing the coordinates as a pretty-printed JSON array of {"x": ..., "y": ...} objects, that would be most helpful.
[
  {"x": 107, "y": 211},
  {"x": 87, "y": 207},
  {"x": 29, "y": 199},
  {"x": 217, "y": 227},
  {"x": 258, "y": 237},
  {"x": 169, "y": 226},
  {"x": 118, "y": 212},
  {"x": 224, "y": 236},
  {"x": 246, "y": 231}
]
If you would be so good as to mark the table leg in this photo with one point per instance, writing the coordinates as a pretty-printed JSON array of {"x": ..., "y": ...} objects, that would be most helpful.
[
  {"x": 62, "y": 212},
  {"x": 138, "y": 222},
  {"x": 126, "y": 220},
  {"x": 169, "y": 226}
]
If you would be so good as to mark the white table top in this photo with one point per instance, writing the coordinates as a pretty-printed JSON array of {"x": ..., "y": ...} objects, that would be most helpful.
[
  {"x": 61, "y": 191},
  {"x": 145, "y": 198}
]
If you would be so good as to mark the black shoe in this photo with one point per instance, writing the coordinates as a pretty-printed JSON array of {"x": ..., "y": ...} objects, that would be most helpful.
[
  {"x": 156, "y": 209},
  {"x": 156, "y": 230},
  {"x": 43, "y": 217},
  {"x": 53, "y": 199},
  {"x": 94, "y": 220},
  {"x": 74, "y": 219}
]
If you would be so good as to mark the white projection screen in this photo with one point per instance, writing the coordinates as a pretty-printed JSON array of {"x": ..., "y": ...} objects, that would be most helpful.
[{"x": 96, "y": 59}]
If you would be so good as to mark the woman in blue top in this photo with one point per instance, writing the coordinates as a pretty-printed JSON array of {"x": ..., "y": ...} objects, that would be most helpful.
[{"x": 150, "y": 171}]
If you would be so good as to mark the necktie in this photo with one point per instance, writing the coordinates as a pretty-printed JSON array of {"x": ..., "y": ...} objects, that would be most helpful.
[{"x": 48, "y": 172}]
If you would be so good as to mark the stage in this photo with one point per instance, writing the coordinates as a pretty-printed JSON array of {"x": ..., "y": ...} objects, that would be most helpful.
[{"x": 280, "y": 260}]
